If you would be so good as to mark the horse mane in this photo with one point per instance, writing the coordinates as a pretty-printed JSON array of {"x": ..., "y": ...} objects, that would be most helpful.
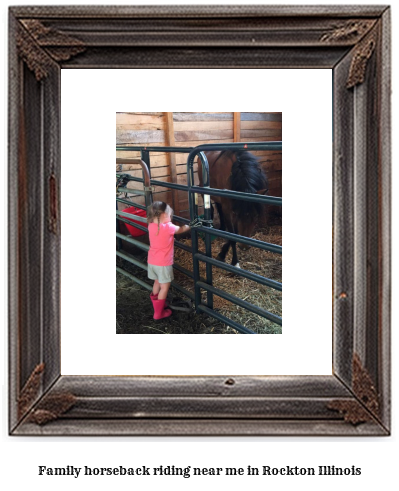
[{"x": 247, "y": 176}]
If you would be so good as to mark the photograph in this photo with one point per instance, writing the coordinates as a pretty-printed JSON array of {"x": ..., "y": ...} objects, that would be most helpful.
[{"x": 177, "y": 277}]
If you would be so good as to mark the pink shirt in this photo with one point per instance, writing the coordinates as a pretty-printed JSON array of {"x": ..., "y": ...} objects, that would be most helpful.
[{"x": 161, "y": 245}]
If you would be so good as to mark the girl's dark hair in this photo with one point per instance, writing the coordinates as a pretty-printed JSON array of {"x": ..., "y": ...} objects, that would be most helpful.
[{"x": 155, "y": 211}]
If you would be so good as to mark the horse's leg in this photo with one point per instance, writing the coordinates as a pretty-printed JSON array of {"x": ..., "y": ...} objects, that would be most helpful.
[
  {"x": 223, "y": 251},
  {"x": 234, "y": 260},
  {"x": 222, "y": 225},
  {"x": 226, "y": 246}
]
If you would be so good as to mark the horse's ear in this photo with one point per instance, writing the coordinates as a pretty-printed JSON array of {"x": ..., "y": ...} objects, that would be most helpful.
[{"x": 262, "y": 191}]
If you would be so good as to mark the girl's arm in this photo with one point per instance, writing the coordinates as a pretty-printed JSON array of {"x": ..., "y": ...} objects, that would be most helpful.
[{"x": 182, "y": 229}]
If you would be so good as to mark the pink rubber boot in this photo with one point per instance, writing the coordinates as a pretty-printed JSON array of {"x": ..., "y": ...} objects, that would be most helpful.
[
  {"x": 159, "y": 309},
  {"x": 155, "y": 297}
]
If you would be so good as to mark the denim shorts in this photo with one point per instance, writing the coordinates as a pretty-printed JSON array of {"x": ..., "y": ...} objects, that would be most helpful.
[{"x": 164, "y": 274}]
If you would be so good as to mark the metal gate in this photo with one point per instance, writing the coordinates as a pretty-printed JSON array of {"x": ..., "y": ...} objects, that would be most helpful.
[{"x": 205, "y": 227}]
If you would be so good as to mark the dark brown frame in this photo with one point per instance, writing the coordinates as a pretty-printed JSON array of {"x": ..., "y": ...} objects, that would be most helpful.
[{"x": 353, "y": 41}]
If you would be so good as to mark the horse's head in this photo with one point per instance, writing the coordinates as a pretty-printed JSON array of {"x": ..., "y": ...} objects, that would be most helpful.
[{"x": 246, "y": 221}]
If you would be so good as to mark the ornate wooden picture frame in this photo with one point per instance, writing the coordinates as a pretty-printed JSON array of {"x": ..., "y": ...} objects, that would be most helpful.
[{"x": 352, "y": 41}]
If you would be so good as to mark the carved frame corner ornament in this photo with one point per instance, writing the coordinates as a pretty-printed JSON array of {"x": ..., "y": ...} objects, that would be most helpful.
[
  {"x": 30, "y": 391},
  {"x": 350, "y": 31},
  {"x": 361, "y": 56},
  {"x": 366, "y": 406},
  {"x": 39, "y": 45},
  {"x": 351, "y": 41},
  {"x": 362, "y": 32},
  {"x": 51, "y": 407}
]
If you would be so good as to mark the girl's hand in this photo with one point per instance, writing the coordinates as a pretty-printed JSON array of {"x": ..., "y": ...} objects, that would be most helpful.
[{"x": 196, "y": 223}]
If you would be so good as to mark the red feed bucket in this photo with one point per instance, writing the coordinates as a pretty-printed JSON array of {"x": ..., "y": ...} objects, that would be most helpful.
[{"x": 133, "y": 231}]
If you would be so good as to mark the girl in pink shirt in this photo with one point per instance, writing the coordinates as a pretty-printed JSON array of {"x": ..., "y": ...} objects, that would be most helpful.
[{"x": 160, "y": 256}]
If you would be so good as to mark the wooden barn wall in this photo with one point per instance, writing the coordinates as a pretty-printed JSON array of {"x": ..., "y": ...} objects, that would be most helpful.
[
  {"x": 265, "y": 127},
  {"x": 144, "y": 129},
  {"x": 191, "y": 129}
]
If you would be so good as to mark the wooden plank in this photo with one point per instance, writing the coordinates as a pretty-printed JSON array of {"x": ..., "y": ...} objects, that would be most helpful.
[
  {"x": 269, "y": 158},
  {"x": 133, "y": 118},
  {"x": 159, "y": 195},
  {"x": 274, "y": 181},
  {"x": 237, "y": 127},
  {"x": 270, "y": 154},
  {"x": 264, "y": 156},
  {"x": 261, "y": 116},
  {"x": 139, "y": 54},
  {"x": 344, "y": 188},
  {"x": 200, "y": 426},
  {"x": 259, "y": 139},
  {"x": 156, "y": 172},
  {"x": 136, "y": 136},
  {"x": 171, "y": 157},
  {"x": 257, "y": 125},
  {"x": 183, "y": 195},
  {"x": 156, "y": 159},
  {"x": 165, "y": 196},
  {"x": 245, "y": 386},
  {"x": 137, "y": 199},
  {"x": 275, "y": 188},
  {"x": 121, "y": 113},
  {"x": 140, "y": 126},
  {"x": 136, "y": 153},
  {"x": 203, "y": 125},
  {"x": 134, "y": 185},
  {"x": 271, "y": 166},
  {"x": 276, "y": 133},
  {"x": 157, "y": 189},
  {"x": 181, "y": 158},
  {"x": 384, "y": 125},
  {"x": 182, "y": 179},
  {"x": 202, "y": 117},
  {"x": 193, "y": 143},
  {"x": 182, "y": 169},
  {"x": 138, "y": 118},
  {"x": 183, "y": 204},
  {"x": 185, "y": 136},
  {"x": 367, "y": 222},
  {"x": 226, "y": 407},
  {"x": 139, "y": 185}
]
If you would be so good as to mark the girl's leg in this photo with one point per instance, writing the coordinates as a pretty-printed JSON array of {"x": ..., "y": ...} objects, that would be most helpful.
[
  {"x": 163, "y": 291},
  {"x": 156, "y": 288},
  {"x": 160, "y": 312}
]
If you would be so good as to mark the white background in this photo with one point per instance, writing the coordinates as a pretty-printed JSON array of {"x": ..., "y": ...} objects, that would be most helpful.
[
  {"x": 89, "y": 343},
  {"x": 377, "y": 457}
]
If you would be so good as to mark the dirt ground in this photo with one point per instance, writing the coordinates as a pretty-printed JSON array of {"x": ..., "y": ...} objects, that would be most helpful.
[{"x": 134, "y": 309}]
